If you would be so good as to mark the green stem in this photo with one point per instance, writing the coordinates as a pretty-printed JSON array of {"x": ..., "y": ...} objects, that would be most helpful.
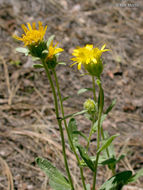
[
  {"x": 94, "y": 90},
  {"x": 59, "y": 123},
  {"x": 93, "y": 117},
  {"x": 90, "y": 134},
  {"x": 66, "y": 127},
  {"x": 98, "y": 136},
  {"x": 107, "y": 151}
]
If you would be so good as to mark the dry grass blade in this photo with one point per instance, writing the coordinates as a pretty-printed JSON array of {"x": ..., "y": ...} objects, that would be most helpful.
[
  {"x": 7, "y": 171},
  {"x": 6, "y": 75},
  {"x": 42, "y": 137}
]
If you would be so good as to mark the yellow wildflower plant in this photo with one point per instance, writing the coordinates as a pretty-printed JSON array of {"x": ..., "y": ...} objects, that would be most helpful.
[
  {"x": 32, "y": 35},
  {"x": 53, "y": 51},
  {"x": 90, "y": 58}
]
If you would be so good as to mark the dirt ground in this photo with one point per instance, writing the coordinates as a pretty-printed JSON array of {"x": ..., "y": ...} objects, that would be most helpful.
[{"x": 28, "y": 127}]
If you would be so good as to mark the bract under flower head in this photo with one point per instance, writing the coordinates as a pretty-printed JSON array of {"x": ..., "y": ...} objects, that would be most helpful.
[
  {"x": 88, "y": 57},
  {"x": 32, "y": 35},
  {"x": 53, "y": 50}
]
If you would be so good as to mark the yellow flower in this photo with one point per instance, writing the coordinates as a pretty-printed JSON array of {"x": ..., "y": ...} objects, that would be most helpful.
[
  {"x": 53, "y": 51},
  {"x": 87, "y": 55},
  {"x": 32, "y": 35}
]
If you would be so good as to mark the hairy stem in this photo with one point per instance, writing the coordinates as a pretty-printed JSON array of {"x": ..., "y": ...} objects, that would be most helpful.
[
  {"x": 59, "y": 123},
  {"x": 94, "y": 90},
  {"x": 98, "y": 135},
  {"x": 66, "y": 127}
]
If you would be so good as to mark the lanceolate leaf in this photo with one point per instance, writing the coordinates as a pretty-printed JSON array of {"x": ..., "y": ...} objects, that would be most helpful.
[
  {"x": 82, "y": 90},
  {"x": 94, "y": 128},
  {"x": 75, "y": 114},
  {"x": 111, "y": 106},
  {"x": 108, "y": 161},
  {"x": 88, "y": 187},
  {"x": 56, "y": 179},
  {"x": 120, "y": 158},
  {"x": 101, "y": 95},
  {"x": 101, "y": 161},
  {"x": 72, "y": 126},
  {"x": 22, "y": 50},
  {"x": 81, "y": 134},
  {"x": 110, "y": 148},
  {"x": 38, "y": 66},
  {"x": 85, "y": 157},
  {"x": 61, "y": 63},
  {"x": 50, "y": 40},
  {"x": 107, "y": 143},
  {"x": 65, "y": 98},
  {"x": 136, "y": 176},
  {"x": 117, "y": 182}
]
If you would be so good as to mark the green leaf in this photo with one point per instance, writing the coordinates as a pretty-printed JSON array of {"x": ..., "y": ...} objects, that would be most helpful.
[
  {"x": 72, "y": 126},
  {"x": 94, "y": 128},
  {"x": 111, "y": 106},
  {"x": 81, "y": 134},
  {"x": 65, "y": 98},
  {"x": 136, "y": 176},
  {"x": 101, "y": 100},
  {"x": 75, "y": 114},
  {"x": 108, "y": 161},
  {"x": 117, "y": 181},
  {"x": 22, "y": 50},
  {"x": 61, "y": 63},
  {"x": 87, "y": 186},
  {"x": 107, "y": 143},
  {"x": 120, "y": 158},
  {"x": 110, "y": 147},
  {"x": 56, "y": 179},
  {"x": 45, "y": 51},
  {"x": 35, "y": 58},
  {"x": 102, "y": 160},
  {"x": 85, "y": 157},
  {"x": 82, "y": 90},
  {"x": 37, "y": 66},
  {"x": 50, "y": 40}
]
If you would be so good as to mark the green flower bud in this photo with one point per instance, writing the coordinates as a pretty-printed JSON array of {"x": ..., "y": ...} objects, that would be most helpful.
[
  {"x": 94, "y": 69},
  {"x": 51, "y": 63},
  {"x": 90, "y": 106}
]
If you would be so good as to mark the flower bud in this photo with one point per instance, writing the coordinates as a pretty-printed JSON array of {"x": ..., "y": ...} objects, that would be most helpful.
[
  {"x": 90, "y": 106},
  {"x": 51, "y": 63},
  {"x": 94, "y": 69}
]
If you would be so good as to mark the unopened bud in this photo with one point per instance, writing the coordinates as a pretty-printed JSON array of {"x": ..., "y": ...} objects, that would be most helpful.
[{"x": 90, "y": 106}]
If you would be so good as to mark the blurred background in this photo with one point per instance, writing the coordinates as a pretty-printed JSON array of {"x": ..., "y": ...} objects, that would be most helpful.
[{"x": 28, "y": 126}]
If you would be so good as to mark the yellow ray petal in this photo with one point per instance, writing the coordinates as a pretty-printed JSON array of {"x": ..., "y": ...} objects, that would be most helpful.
[
  {"x": 58, "y": 50},
  {"x": 34, "y": 26},
  {"x": 73, "y": 64},
  {"x": 103, "y": 47},
  {"x": 79, "y": 66},
  {"x": 29, "y": 26},
  {"x": 24, "y": 28},
  {"x": 17, "y": 38}
]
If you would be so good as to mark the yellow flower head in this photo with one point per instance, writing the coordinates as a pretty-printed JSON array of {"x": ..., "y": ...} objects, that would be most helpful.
[
  {"x": 32, "y": 35},
  {"x": 87, "y": 54},
  {"x": 53, "y": 51}
]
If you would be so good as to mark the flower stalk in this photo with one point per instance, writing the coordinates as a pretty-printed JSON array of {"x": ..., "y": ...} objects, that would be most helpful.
[
  {"x": 66, "y": 127},
  {"x": 98, "y": 133},
  {"x": 59, "y": 123}
]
